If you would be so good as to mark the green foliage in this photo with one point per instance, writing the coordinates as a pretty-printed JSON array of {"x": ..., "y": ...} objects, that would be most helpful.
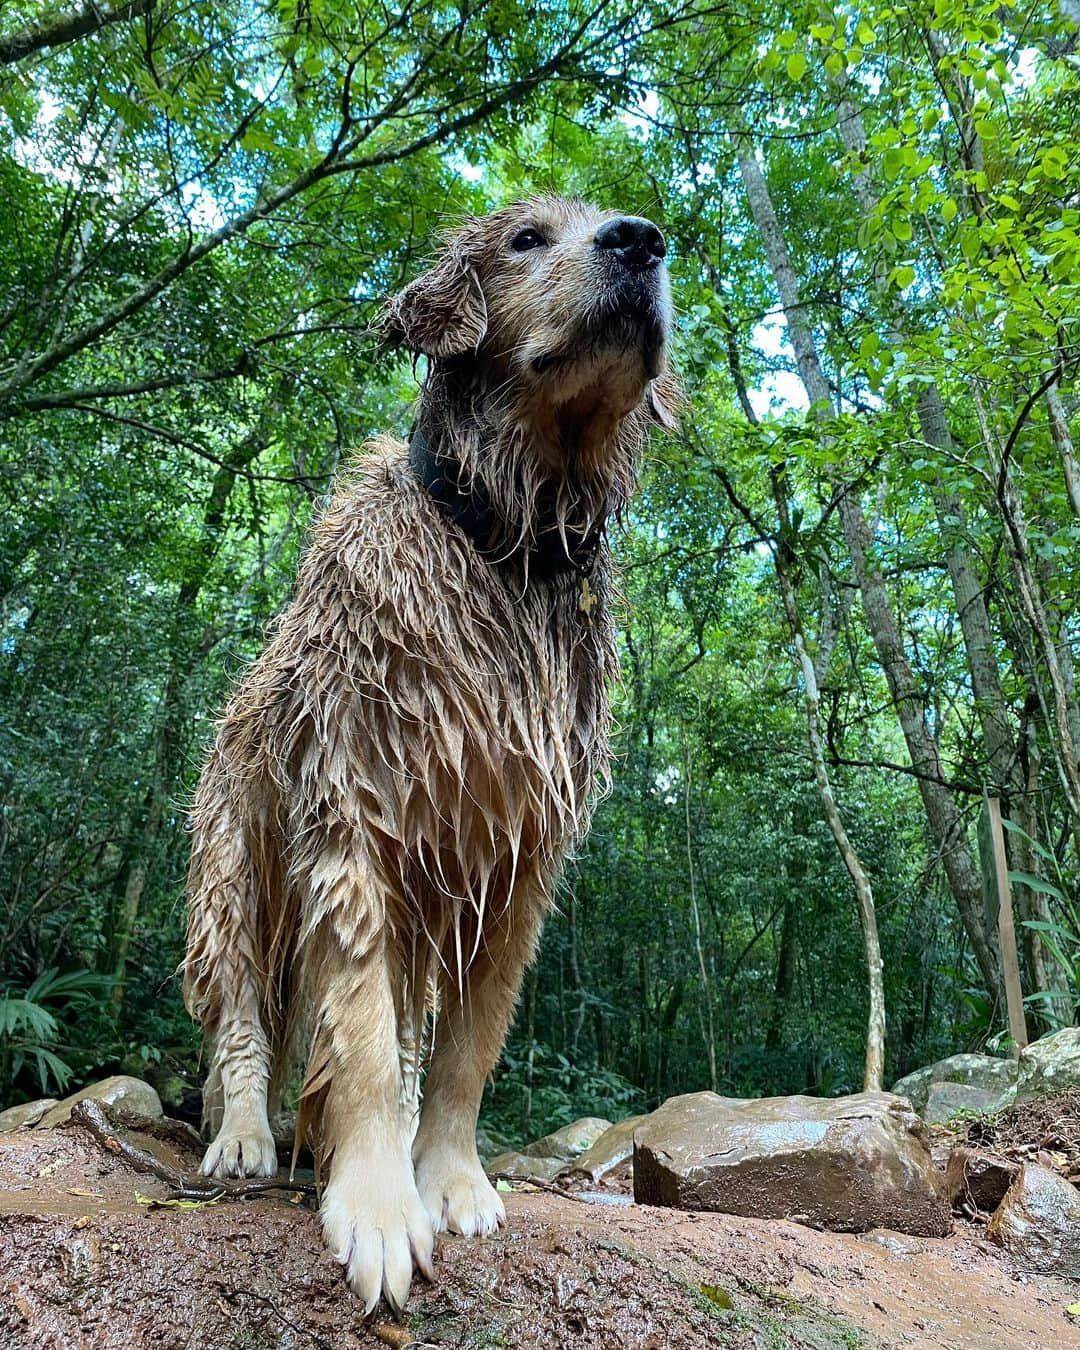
[
  {"x": 37, "y": 1026},
  {"x": 538, "y": 1090},
  {"x": 203, "y": 209}
]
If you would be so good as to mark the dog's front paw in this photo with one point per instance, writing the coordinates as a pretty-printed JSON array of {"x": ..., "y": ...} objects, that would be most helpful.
[
  {"x": 242, "y": 1148},
  {"x": 375, "y": 1224},
  {"x": 457, "y": 1195}
]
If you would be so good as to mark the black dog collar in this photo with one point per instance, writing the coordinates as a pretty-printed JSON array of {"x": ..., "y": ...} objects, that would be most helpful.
[{"x": 468, "y": 506}]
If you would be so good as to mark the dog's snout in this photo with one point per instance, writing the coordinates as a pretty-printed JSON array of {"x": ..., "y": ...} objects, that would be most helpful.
[{"x": 634, "y": 241}]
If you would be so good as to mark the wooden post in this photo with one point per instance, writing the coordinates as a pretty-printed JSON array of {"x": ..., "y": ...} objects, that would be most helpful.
[{"x": 1010, "y": 964}]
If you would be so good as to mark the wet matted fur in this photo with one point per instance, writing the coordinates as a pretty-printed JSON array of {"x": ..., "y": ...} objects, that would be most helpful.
[{"x": 401, "y": 775}]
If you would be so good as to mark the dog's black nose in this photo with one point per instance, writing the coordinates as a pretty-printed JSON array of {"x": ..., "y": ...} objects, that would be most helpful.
[{"x": 636, "y": 242}]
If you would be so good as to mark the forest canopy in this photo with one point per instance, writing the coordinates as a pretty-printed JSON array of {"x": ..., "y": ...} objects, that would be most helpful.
[{"x": 849, "y": 580}]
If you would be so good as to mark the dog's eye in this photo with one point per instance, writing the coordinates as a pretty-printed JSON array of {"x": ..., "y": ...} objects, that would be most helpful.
[{"x": 527, "y": 239}]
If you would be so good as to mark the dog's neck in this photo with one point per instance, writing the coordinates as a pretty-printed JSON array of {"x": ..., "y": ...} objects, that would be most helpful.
[
  {"x": 488, "y": 469},
  {"x": 549, "y": 551}
]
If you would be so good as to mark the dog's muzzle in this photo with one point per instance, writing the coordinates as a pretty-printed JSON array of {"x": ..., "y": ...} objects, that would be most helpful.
[{"x": 632, "y": 309}]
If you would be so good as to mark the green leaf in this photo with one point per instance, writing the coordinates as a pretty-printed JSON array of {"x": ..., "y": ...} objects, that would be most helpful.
[
  {"x": 796, "y": 66},
  {"x": 1034, "y": 883},
  {"x": 893, "y": 161}
]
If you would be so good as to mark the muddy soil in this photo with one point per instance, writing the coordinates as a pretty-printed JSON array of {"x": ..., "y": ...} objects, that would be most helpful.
[{"x": 85, "y": 1261}]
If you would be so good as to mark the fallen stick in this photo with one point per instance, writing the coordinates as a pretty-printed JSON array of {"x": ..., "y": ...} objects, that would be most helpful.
[
  {"x": 91, "y": 1115},
  {"x": 537, "y": 1185}
]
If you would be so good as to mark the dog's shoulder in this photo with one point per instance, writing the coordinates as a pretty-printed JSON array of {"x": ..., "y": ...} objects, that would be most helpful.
[{"x": 379, "y": 520}]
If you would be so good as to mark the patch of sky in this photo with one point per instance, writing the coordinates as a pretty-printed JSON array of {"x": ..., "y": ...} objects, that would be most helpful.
[
  {"x": 780, "y": 391},
  {"x": 639, "y": 121}
]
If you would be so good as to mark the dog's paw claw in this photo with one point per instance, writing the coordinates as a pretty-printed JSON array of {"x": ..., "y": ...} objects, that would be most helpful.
[
  {"x": 458, "y": 1196},
  {"x": 376, "y": 1226},
  {"x": 243, "y": 1153}
]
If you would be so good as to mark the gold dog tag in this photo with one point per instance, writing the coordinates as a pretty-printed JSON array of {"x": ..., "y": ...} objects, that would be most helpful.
[{"x": 587, "y": 601}]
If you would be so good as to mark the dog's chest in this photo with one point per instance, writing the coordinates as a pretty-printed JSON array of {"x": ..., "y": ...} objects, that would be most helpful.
[{"x": 495, "y": 727}]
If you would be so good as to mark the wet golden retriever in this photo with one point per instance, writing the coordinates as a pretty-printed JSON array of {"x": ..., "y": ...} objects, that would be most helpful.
[{"x": 400, "y": 776}]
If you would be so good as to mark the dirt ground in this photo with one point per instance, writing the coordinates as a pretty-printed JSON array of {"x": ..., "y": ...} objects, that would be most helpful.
[
  {"x": 1047, "y": 1126},
  {"x": 86, "y": 1262}
]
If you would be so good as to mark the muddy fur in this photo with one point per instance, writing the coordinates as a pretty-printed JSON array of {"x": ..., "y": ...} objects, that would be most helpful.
[{"x": 401, "y": 775}]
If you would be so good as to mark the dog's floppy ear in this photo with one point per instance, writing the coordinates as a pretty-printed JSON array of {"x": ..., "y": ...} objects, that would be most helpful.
[
  {"x": 664, "y": 399},
  {"x": 441, "y": 313}
]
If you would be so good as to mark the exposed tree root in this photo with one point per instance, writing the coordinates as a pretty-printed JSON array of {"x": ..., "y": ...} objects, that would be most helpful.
[{"x": 94, "y": 1118}]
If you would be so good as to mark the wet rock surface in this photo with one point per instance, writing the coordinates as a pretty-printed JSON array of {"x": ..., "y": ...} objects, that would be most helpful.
[
  {"x": 847, "y": 1163},
  {"x": 571, "y": 1140},
  {"x": 83, "y": 1263},
  {"x": 978, "y": 1180},
  {"x": 986, "y": 1072},
  {"x": 1049, "y": 1065},
  {"x": 132, "y": 1095},
  {"x": 24, "y": 1116},
  {"x": 1038, "y": 1222},
  {"x": 524, "y": 1165},
  {"x": 610, "y": 1150}
]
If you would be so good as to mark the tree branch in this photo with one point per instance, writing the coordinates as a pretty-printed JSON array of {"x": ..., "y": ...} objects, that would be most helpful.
[
  {"x": 64, "y": 28},
  {"x": 338, "y": 159},
  {"x": 70, "y": 398},
  {"x": 306, "y": 481}
]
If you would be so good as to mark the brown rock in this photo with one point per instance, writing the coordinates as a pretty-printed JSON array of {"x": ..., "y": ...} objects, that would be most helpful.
[
  {"x": 1038, "y": 1222},
  {"x": 129, "y": 1094},
  {"x": 511, "y": 1164},
  {"x": 612, "y": 1148},
  {"x": 978, "y": 1179},
  {"x": 847, "y": 1163}
]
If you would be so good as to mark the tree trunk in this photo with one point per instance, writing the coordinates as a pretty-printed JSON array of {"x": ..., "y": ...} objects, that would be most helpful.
[
  {"x": 994, "y": 717},
  {"x": 709, "y": 1022},
  {"x": 1059, "y": 432},
  {"x": 784, "y": 984},
  {"x": 947, "y": 827},
  {"x": 874, "y": 1067}
]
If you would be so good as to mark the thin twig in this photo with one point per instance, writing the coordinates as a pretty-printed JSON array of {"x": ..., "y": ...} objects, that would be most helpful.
[{"x": 540, "y": 1185}]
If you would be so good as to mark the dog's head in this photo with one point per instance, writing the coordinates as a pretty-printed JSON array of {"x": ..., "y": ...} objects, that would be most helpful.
[{"x": 562, "y": 308}]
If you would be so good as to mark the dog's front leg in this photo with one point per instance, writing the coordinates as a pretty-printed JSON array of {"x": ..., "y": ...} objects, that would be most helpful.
[
  {"x": 373, "y": 1220},
  {"x": 472, "y": 1027}
]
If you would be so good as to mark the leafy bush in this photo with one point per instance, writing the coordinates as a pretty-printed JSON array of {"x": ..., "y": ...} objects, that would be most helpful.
[
  {"x": 36, "y": 1028},
  {"x": 536, "y": 1090}
]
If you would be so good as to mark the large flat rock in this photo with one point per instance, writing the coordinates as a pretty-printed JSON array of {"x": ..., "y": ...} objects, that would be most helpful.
[{"x": 846, "y": 1163}]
